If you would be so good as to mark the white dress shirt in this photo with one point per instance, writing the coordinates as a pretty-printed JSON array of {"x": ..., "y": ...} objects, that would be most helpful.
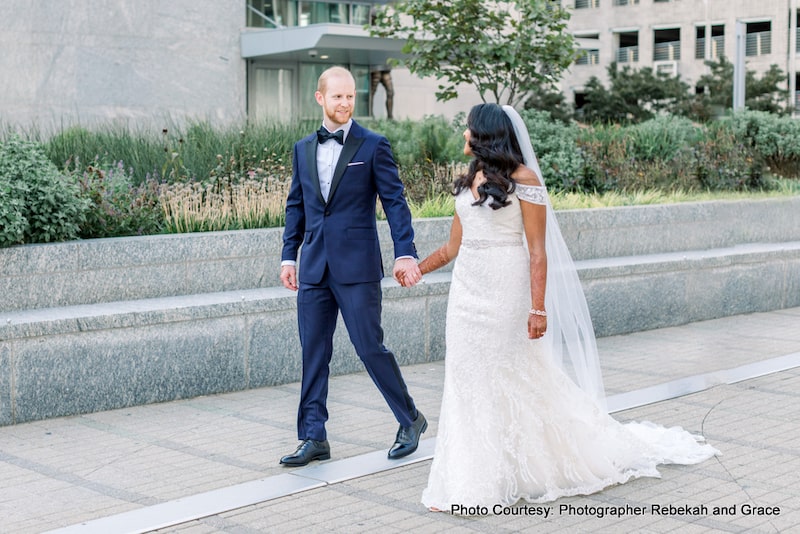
[{"x": 327, "y": 157}]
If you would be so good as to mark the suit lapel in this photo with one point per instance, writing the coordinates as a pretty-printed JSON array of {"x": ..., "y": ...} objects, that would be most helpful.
[
  {"x": 351, "y": 145},
  {"x": 311, "y": 162}
]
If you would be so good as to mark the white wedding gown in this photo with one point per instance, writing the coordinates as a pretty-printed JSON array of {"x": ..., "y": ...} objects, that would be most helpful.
[{"x": 513, "y": 425}]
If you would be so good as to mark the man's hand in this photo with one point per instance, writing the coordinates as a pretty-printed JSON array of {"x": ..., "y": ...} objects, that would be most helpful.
[
  {"x": 289, "y": 277},
  {"x": 406, "y": 272}
]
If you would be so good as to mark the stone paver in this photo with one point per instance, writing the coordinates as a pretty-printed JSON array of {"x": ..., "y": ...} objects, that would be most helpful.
[{"x": 60, "y": 472}]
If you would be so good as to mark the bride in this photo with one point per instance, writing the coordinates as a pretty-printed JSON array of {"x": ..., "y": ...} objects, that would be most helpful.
[{"x": 523, "y": 411}]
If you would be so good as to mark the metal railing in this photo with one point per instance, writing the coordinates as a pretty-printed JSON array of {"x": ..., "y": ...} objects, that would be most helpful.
[
  {"x": 667, "y": 51},
  {"x": 717, "y": 47},
  {"x": 700, "y": 48},
  {"x": 588, "y": 57},
  {"x": 758, "y": 44},
  {"x": 628, "y": 54}
]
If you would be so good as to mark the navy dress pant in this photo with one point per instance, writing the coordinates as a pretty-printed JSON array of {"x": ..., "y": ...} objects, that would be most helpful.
[{"x": 318, "y": 306}]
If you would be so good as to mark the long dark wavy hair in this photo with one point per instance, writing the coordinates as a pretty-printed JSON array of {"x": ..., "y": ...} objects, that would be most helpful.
[{"x": 496, "y": 153}]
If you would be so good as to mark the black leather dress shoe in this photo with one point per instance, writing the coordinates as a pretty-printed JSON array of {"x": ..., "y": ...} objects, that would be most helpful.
[
  {"x": 407, "y": 438},
  {"x": 308, "y": 450}
]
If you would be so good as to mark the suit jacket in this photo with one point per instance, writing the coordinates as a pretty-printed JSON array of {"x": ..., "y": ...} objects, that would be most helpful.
[{"x": 342, "y": 232}]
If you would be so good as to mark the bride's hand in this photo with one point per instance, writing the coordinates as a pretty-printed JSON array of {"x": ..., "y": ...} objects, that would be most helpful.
[{"x": 537, "y": 325}]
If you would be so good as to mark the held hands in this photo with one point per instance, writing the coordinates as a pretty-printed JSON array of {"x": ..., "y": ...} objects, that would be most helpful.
[
  {"x": 289, "y": 277},
  {"x": 537, "y": 325},
  {"x": 406, "y": 272}
]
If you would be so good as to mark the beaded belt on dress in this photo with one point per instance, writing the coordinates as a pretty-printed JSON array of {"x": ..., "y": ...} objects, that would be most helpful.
[{"x": 490, "y": 243}]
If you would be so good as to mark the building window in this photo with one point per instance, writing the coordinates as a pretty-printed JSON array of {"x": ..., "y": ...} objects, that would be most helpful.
[
  {"x": 580, "y": 100},
  {"x": 271, "y": 93},
  {"x": 797, "y": 34},
  {"x": 797, "y": 37},
  {"x": 360, "y": 14},
  {"x": 625, "y": 2},
  {"x": 717, "y": 42},
  {"x": 759, "y": 39},
  {"x": 283, "y": 13},
  {"x": 699, "y": 42},
  {"x": 271, "y": 13},
  {"x": 667, "y": 44},
  {"x": 797, "y": 94},
  {"x": 628, "y": 47},
  {"x": 361, "y": 75},
  {"x": 588, "y": 56},
  {"x": 585, "y": 4},
  {"x": 321, "y": 12}
]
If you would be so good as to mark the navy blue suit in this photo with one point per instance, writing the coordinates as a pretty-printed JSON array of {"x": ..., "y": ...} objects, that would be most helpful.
[{"x": 340, "y": 267}]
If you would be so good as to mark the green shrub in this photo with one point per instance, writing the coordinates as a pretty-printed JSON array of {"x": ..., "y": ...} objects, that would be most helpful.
[
  {"x": 661, "y": 138},
  {"x": 555, "y": 144},
  {"x": 774, "y": 139},
  {"x": 431, "y": 140},
  {"x": 116, "y": 207},
  {"x": 723, "y": 161},
  {"x": 13, "y": 224},
  {"x": 50, "y": 208}
]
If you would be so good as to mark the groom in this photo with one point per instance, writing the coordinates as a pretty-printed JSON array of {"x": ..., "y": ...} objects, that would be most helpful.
[{"x": 337, "y": 174}]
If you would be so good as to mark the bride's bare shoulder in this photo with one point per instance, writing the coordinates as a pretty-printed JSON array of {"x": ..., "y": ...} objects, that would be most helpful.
[{"x": 524, "y": 175}]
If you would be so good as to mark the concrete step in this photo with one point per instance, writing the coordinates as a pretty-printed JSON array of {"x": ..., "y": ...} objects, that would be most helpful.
[{"x": 85, "y": 358}]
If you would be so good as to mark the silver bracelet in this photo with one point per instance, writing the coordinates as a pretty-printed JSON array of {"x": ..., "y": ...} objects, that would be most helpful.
[{"x": 538, "y": 312}]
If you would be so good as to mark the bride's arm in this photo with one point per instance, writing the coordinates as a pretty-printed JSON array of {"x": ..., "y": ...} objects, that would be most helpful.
[
  {"x": 534, "y": 220},
  {"x": 447, "y": 252}
]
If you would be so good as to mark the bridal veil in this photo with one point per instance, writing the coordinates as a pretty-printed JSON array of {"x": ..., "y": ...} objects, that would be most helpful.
[{"x": 570, "y": 334}]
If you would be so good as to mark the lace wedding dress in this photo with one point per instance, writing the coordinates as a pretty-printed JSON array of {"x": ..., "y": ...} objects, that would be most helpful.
[{"x": 513, "y": 425}]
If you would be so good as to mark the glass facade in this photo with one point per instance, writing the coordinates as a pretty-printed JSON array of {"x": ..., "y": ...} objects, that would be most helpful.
[
  {"x": 287, "y": 13},
  {"x": 271, "y": 93},
  {"x": 279, "y": 85}
]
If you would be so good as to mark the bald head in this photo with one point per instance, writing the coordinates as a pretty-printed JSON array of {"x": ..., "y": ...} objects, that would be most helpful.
[{"x": 333, "y": 72}]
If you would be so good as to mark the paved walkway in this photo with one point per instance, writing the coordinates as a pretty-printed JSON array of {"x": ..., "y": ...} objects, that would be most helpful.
[{"x": 184, "y": 460}]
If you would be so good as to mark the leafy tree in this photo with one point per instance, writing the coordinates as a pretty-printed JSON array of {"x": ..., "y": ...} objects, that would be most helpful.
[
  {"x": 551, "y": 101},
  {"x": 633, "y": 95},
  {"x": 502, "y": 48},
  {"x": 761, "y": 94}
]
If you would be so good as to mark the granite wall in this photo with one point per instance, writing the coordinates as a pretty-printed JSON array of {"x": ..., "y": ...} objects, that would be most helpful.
[
  {"x": 143, "y": 62},
  {"x": 103, "y": 324}
]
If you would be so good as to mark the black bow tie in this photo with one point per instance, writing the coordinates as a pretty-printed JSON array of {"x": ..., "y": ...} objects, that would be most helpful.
[{"x": 323, "y": 135}]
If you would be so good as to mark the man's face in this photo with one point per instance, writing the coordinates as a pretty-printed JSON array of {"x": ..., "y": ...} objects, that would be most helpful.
[{"x": 337, "y": 101}]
